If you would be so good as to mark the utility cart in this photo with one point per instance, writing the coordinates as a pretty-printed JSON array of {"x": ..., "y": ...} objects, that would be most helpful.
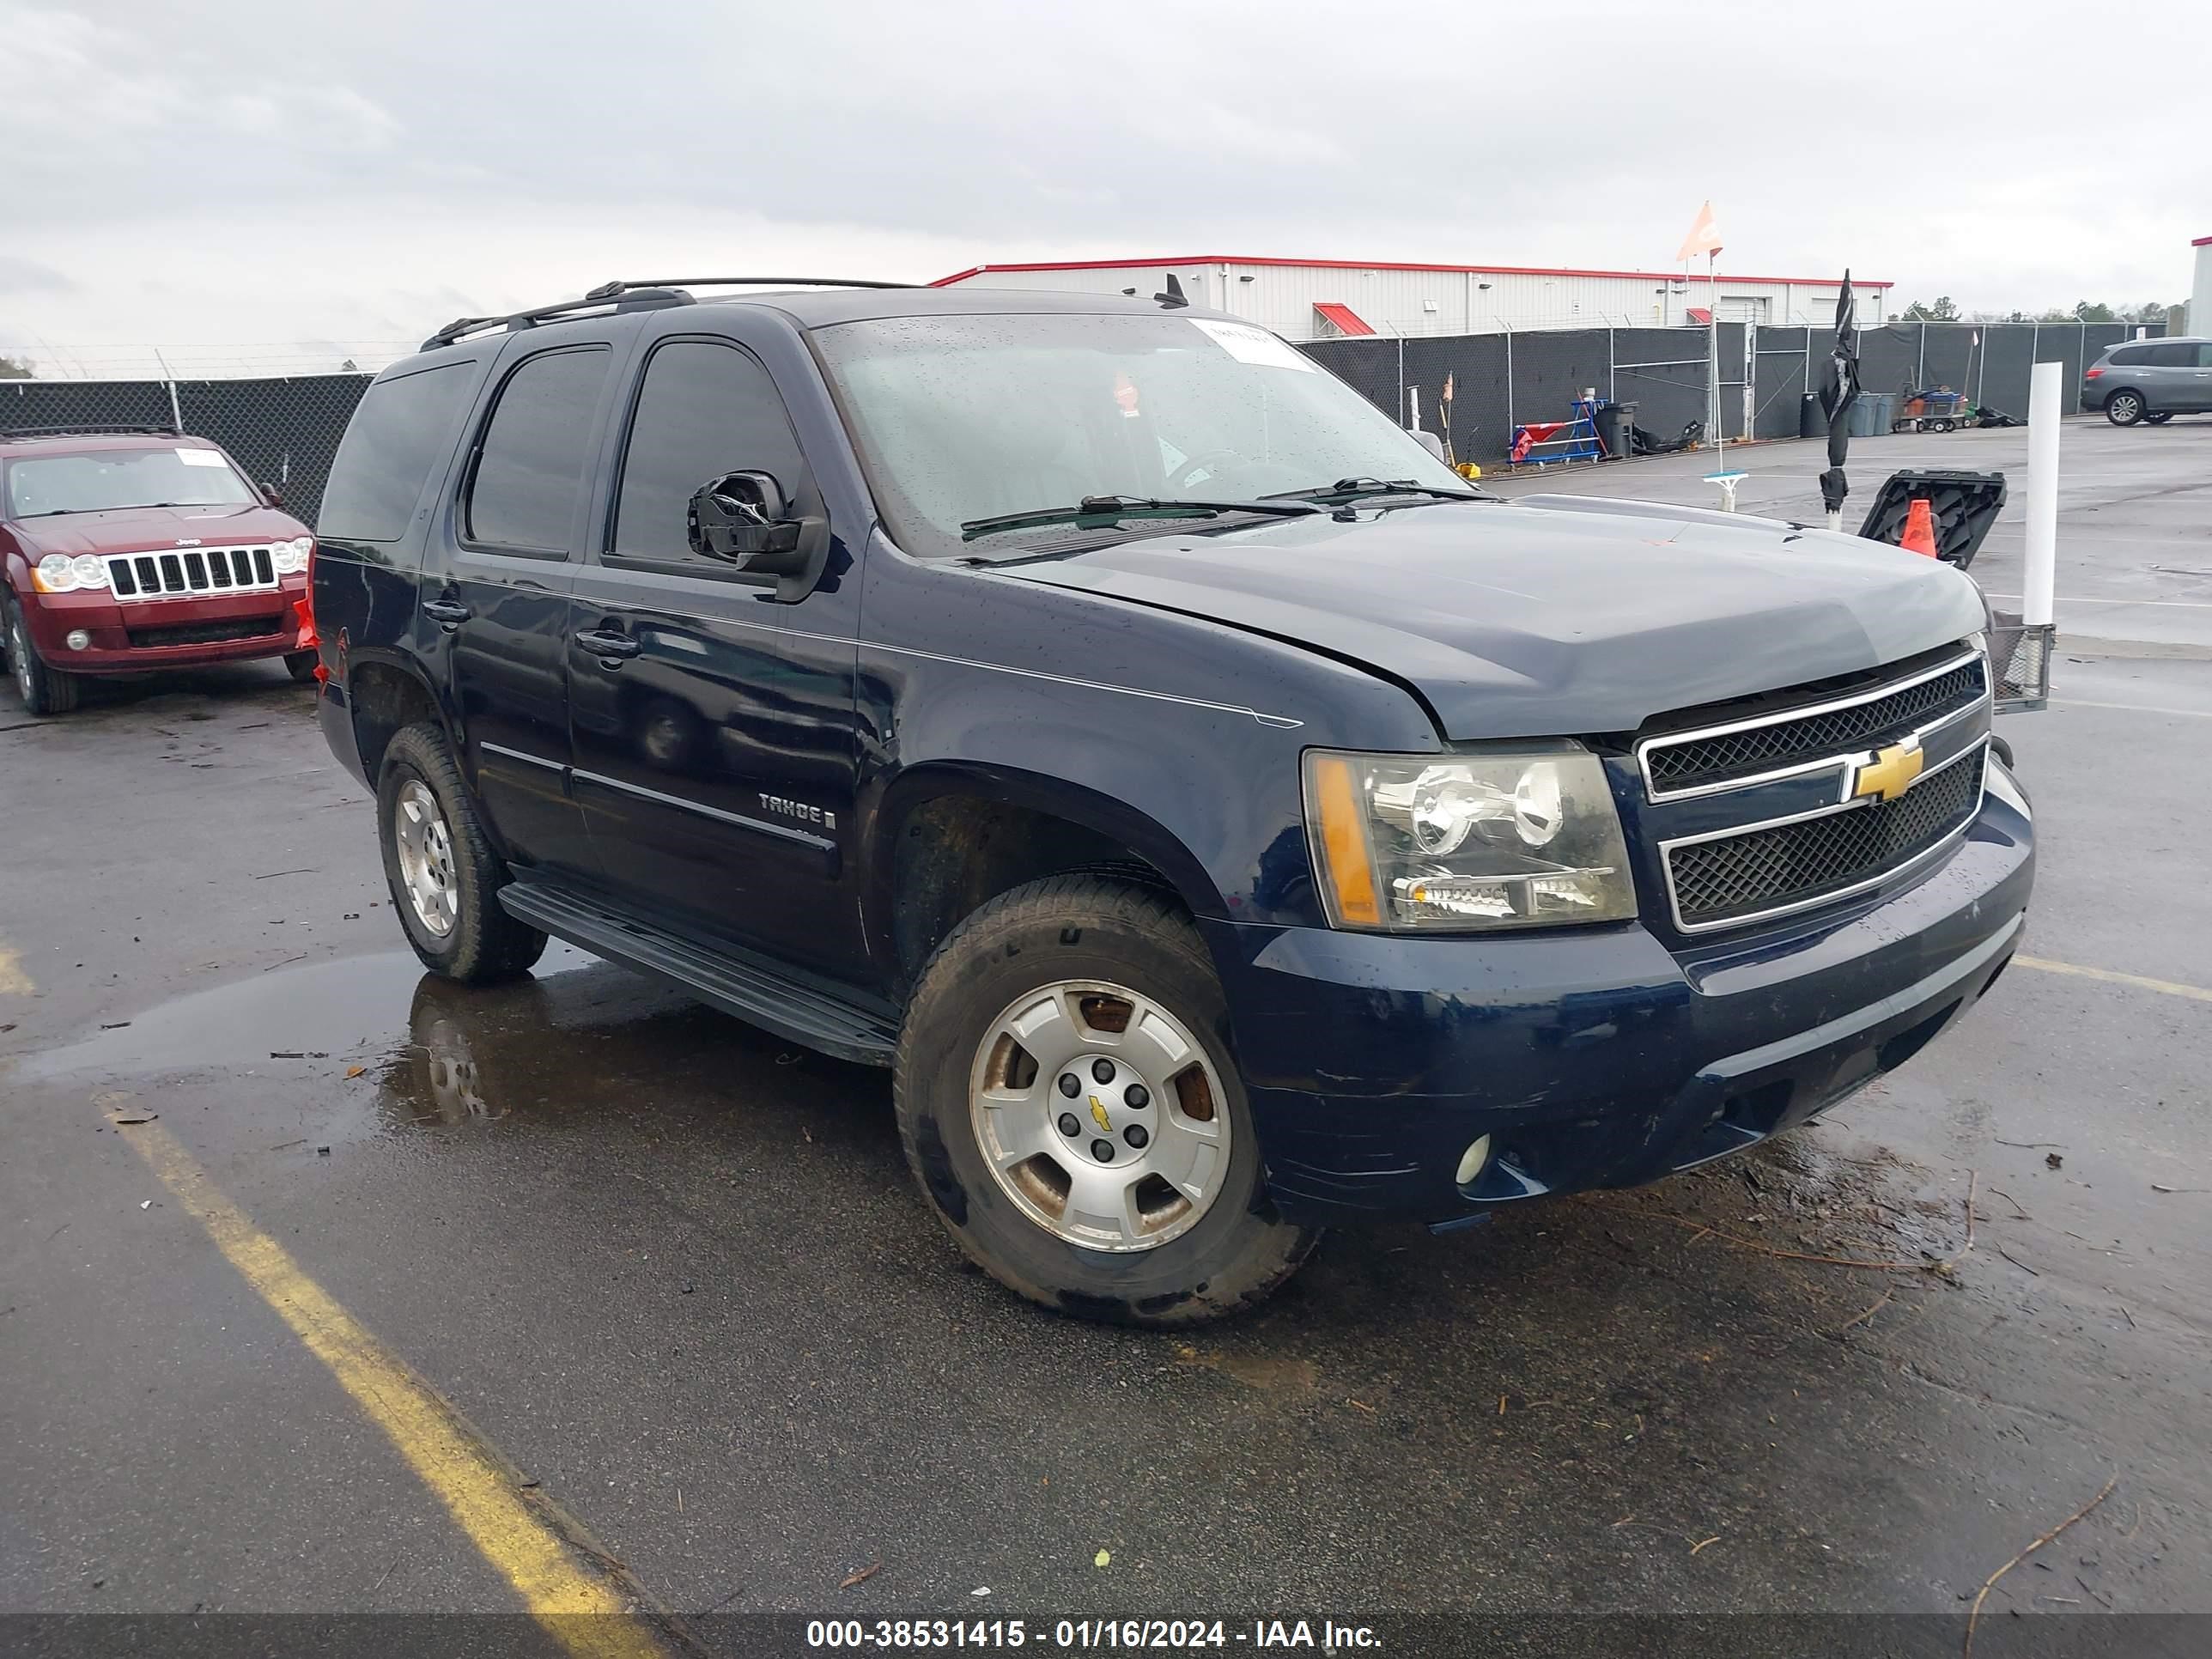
[{"x": 1937, "y": 409}]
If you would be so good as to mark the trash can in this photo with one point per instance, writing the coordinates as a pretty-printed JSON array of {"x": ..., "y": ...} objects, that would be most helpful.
[
  {"x": 1963, "y": 504},
  {"x": 1614, "y": 423},
  {"x": 1811, "y": 422}
]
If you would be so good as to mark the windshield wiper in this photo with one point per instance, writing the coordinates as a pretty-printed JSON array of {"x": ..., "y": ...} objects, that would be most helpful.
[
  {"x": 1112, "y": 509},
  {"x": 1352, "y": 490}
]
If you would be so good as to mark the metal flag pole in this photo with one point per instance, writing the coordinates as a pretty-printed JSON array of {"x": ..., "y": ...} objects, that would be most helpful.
[{"x": 1713, "y": 356}]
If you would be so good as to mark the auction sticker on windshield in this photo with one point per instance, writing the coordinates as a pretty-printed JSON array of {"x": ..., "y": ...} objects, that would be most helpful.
[
  {"x": 1253, "y": 345},
  {"x": 201, "y": 457}
]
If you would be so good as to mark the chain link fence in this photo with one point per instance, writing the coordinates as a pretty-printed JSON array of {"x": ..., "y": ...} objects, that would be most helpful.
[
  {"x": 285, "y": 431},
  {"x": 1501, "y": 379}
]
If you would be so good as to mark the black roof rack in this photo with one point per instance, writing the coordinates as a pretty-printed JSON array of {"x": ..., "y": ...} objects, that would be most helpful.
[
  {"x": 9, "y": 434},
  {"x": 634, "y": 296}
]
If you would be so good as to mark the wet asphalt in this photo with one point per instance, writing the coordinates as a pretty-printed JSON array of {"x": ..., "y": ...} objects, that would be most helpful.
[{"x": 675, "y": 1269}]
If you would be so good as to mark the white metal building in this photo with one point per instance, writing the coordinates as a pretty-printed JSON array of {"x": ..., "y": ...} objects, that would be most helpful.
[{"x": 1331, "y": 299}]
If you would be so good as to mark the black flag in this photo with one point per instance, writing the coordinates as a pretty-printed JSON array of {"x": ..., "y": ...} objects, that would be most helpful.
[{"x": 1839, "y": 390}]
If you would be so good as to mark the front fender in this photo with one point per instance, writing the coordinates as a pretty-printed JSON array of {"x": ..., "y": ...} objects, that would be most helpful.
[{"x": 1084, "y": 803}]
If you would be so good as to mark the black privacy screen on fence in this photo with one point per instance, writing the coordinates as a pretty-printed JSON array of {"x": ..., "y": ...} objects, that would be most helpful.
[
  {"x": 1500, "y": 379},
  {"x": 282, "y": 432}
]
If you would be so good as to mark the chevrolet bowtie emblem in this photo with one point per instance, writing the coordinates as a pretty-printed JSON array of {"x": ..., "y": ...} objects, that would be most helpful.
[
  {"x": 1889, "y": 774},
  {"x": 1098, "y": 1116}
]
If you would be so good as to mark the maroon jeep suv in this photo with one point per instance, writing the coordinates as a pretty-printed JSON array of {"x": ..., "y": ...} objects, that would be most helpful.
[{"x": 126, "y": 551}]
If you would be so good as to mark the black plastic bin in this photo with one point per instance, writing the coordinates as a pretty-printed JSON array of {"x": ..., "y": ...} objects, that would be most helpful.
[
  {"x": 1811, "y": 422},
  {"x": 1614, "y": 422},
  {"x": 1965, "y": 506}
]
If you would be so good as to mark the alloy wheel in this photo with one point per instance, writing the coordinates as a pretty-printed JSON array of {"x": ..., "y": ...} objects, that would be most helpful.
[
  {"x": 425, "y": 846},
  {"x": 1100, "y": 1115}
]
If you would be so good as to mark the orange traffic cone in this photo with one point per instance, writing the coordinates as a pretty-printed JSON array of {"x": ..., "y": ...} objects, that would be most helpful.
[{"x": 1919, "y": 528}]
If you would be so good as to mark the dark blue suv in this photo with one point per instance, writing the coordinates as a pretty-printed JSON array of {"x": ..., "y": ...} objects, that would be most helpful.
[{"x": 1224, "y": 821}]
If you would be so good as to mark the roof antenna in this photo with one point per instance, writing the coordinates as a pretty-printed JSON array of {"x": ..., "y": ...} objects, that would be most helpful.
[{"x": 1174, "y": 299}]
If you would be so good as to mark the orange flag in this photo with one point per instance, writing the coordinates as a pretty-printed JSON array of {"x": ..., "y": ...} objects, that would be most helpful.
[{"x": 1704, "y": 236}]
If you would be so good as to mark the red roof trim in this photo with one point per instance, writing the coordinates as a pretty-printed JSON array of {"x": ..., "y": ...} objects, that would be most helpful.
[
  {"x": 1346, "y": 319},
  {"x": 2201, "y": 242},
  {"x": 1699, "y": 314},
  {"x": 1389, "y": 264}
]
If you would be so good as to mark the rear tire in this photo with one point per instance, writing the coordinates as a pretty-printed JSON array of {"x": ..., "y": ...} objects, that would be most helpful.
[
  {"x": 444, "y": 876},
  {"x": 45, "y": 690},
  {"x": 301, "y": 665},
  {"x": 1163, "y": 1257},
  {"x": 2124, "y": 408}
]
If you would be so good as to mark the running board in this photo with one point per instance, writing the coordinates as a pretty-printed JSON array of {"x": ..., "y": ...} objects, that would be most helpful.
[{"x": 790, "y": 1002}]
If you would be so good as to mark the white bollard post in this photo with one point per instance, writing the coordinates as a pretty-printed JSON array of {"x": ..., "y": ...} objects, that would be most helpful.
[{"x": 2039, "y": 576}]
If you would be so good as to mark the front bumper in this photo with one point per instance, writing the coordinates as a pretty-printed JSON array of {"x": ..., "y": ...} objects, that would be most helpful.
[
  {"x": 123, "y": 636},
  {"x": 1598, "y": 1058}
]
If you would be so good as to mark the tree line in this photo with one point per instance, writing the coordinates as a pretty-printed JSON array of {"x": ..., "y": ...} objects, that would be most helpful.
[{"x": 1944, "y": 309}]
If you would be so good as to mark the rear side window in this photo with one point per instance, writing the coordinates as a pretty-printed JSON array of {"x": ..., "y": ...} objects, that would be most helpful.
[
  {"x": 401, "y": 428},
  {"x": 705, "y": 410},
  {"x": 2127, "y": 356},
  {"x": 532, "y": 463},
  {"x": 2167, "y": 357}
]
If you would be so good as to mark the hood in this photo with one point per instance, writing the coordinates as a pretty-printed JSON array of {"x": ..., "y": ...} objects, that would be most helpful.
[
  {"x": 1552, "y": 616},
  {"x": 142, "y": 529}
]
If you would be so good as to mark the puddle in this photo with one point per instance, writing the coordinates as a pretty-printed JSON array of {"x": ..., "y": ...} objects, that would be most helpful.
[
  {"x": 579, "y": 1038},
  {"x": 345, "y": 1009}
]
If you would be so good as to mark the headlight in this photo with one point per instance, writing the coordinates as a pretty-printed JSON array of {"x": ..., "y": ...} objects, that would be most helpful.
[
  {"x": 291, "y": 557},
  {"x": 55, "y": 574},
  {"x": 1420, "y": 841},
  {"x": 90, "y": 571}
]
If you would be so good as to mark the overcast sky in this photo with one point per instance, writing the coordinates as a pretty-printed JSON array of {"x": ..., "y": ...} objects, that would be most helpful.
[{"x": 307, "y": 178}]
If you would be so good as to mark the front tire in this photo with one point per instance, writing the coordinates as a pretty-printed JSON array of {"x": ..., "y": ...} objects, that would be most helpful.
[
  {"x": 439, "y": 865},
  {"x": 1152, "y": 1211},
  {"x": 45, "y": 690},
  {"x": 301, "y": 665},
  {"x": 2124, "y": 408}
]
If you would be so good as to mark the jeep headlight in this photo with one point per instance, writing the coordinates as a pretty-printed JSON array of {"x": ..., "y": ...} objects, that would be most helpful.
[
  {"x": 1419, "y": 842},
  {"x": 57, "y": 573},
  {"x": 291, "y": 557}
]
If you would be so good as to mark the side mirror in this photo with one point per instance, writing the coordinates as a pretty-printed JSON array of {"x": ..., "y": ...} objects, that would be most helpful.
[
  {"x": 1431, "y": 443},
  {"x": 746, "y": 520},
  {"x": 270, "y": 496}
]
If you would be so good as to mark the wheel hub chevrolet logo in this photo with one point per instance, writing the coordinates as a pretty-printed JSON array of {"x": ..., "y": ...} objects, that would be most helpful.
[
  {"x": 1889, "y": 774},
  {"x": 1098, "y": 1116}
]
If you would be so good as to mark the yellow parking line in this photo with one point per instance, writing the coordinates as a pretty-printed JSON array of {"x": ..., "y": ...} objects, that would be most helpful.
[
  {"x": 512, "y": 1530},
  {"x": 2164, "y": 986}
]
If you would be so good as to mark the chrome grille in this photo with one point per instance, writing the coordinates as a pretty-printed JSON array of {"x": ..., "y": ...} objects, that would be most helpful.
[
  {"x": 1720, "y": 757},
  {"x": 1790, "y": 865},
  {"x": 191, "y": 570}
]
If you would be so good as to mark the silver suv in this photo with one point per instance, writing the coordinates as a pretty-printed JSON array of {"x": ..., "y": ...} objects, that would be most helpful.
[{"x": 2151, "y": 380}]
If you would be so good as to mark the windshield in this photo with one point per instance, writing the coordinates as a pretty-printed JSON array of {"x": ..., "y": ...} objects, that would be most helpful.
[
  {"x": 100, "y": 480},
  {"x": 960, "y": 419}
]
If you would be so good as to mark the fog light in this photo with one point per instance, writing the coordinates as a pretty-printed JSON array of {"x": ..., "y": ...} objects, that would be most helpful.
[
  {"x": 1472, "y": 1160},
  {"x": 77, "y": 639}
]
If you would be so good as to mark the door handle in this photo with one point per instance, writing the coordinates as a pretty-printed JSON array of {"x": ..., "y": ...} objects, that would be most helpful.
[
  {"x": 446, "y": 613},
  {"x": 605, "y": 644}
]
